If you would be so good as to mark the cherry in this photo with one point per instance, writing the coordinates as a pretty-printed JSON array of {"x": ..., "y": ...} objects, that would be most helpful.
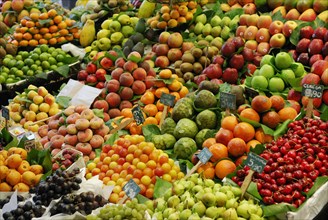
[
  {"x": 310, "y": 159},
  {"x": 298, "y": 174},
  {"x": 289, "y": 177},
  {"x": 297, "y": 194},
  {"x": 278, "y": 197},
  {"x": 321, "y": 156},
  {"x": 297, "y": 186},
  {"x": 265, "y": 192},
  {"x": 314, "y": 174},
  {"x": 304, "y": 140},
  {"x": 267, "y": 169},
  {"x": 259, "y": 186},
  {"x": 284, "y": 150},
  {"x": 310, "y": 151},
  {"x": 287, "y": 190},
  {"x": 281, "y": 181},
  {"x": 288, "y": 199},
  {"x": 323, "y": 126},
  {"x": 274, "y": 148},
  {"x": 268, "y": 200},
  {"x": 323, "y": 170}
]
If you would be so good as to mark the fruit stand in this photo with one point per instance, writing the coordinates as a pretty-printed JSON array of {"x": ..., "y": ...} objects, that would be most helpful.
[{"x": 203, "y": 109}]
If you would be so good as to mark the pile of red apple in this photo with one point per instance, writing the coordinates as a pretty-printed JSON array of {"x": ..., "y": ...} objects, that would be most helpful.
[
  {"x": 65, "y": 158},
  {"x": 130, "y": 78},
  {"x": 77, "y": 127},
  {"x": 294, "y": 161},
  {"x": 312, "y": 46}
]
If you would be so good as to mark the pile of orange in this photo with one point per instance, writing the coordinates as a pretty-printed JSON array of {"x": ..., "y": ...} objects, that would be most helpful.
[
  {"x": 132, "y": 158},
  {"x": 45, "y": 28},
  {"x": 171, "y": 17},
  {"x": 15, "y": 171}
]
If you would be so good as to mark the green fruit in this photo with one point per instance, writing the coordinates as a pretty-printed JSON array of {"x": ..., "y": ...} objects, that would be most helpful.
[
  {"x": 44, "y": 47},
  {"x": 116, "y": 38},
  {"x": 19, "y": 73},
  {"x": 45, "y": 65},
  {"x": 124, "y": 19},
  {"x": 267, "y": 71},
  {"x": 34, "y": 56},
  {"x": 201, "y": 18},
  {"x": 19, "y": 57},
  {"x": 43, "y": 57},
  {"x": 12, "y": 63},
  {"x": 266, "y": 59},
  {"x": 198, "y": 28},
  {"x": 103, "y": 33},
  {"x": 30, "y": 73},
  {"x": 37, "y": 50},
  {"x": 52, "y": 61},
  {"x": 60, "y": 58},
  {"x": 276, "y": 84},
  {"x": 34, "y": 67},
  {"x": 259, "y": 82},
  {"x": 283, "y": 60},
  {"x": 127, "y": 31},
  {"x": 215, "y": 21},
  {"x": 20, "y": 64}
]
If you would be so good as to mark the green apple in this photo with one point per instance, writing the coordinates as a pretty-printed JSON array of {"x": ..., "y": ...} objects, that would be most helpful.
[
  {"x": 298, "y": 69},
  {"x": 283, "y": 60},
  {"x": 94, "y": 45},
  {"x": 103, "y": 33},
  {"x": 104, "y": 44},
  {"x": 259, "y": 82},
  {"x": 287, "y": 74},
  {"x": 127, "y": 30},
  {"x": 92, "y": 54},
  {"x": 266, "y": 59},
  {"x": 276, "y": 84},
  {"x": 115, "y": 26},
  {"x": 106, "y": 23},
  {"x": 267, "y": 71},
  {"x": 116, "y": 37}
]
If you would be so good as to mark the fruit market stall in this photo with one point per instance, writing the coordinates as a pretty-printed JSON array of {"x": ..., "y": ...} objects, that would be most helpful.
[{"x": 164, "y": 109}]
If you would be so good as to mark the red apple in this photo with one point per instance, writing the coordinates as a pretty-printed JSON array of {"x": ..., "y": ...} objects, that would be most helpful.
[
  {"x": 218, "y": 59},
  {"x": 314, "y": 58},
  {"x": 238, "y": 42},
  {"x": 308, "y": 15},
  {"x": 100, "y": 75},
  {"x": 82, "y": 75},
  {"x": 324, "y": 77},
  {"x": 237, "y": 61},
  {"x": 106, "y": 63},
  {"x": 230, "y": 75},
  {"x": 162, "y": 50},
  {"x": 101, "y": 104},
  {"x": 319, "y": 33},
  {"x": 315, "y": 46},
  {"x": 306, "y": 32},
  {"x": 264, "y": 21},
  {"x": 310, "y": 78},
  {"x": 319, "y": 67},
  {"x": 213, "y": 71},
  {"x": 295, "y": 105},
  {"x": 288, "y": 28},
  {"x": 294, "y": 54},
  {"x": 292, "y": 14},
  {"x": 248, "y": 54},
  {"x": 294, "y": 95},
  {"x": 277, "y": 40},
  {"x": 276, "y": 27},
  {"x": 324, "y": 51},
  {"x": 251, "y": 69},
  {"x": 303, "y": 58},
  {"x": 100, "y": 85},
  {"x": 228, "y": 48},
  {"x": 303, "y": 45},
  {"x": 200, "y": 78},
  {"x": 325, "y": 96}
]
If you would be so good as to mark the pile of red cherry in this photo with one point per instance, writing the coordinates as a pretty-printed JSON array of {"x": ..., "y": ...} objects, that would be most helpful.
[{"x": 294, "y": 161}]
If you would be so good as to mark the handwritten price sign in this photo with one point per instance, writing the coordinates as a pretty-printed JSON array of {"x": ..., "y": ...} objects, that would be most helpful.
[
  {"x": 131, "y": 189},
  {"x": 137, "y": 115},
  {"x": 255, "y": 162},
  {"x": 312, "y": 91}
]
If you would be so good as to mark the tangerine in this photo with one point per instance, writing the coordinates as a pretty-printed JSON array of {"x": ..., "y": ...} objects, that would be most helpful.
[
  {"x": 250, "y": 114},
  {"x": 261, "y": 103},
  {"x": 13, "y": 177},
  {"x": 229, "y": 122},
  {"x": 224, "y": 167},
  {"x": 14, "y": 160},
  {"x": 244, "y": 131},
  {"x": 236, "y": 147},
  {"x": 209, "y": 142},
  {"x": 287, "y": 113},
  {"x": 5, "y": 187},
  {"x": 21, "y": 187},
  {"x": 278, "y": 102},
  {"x": 251, "y": 144},
  {"x": 219, "y": 151}
]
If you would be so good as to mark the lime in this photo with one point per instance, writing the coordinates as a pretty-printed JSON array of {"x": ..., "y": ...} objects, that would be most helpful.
[
  {"x": 19, "y": 57},
  {"x": 34, "y": 67},
  {"x": 54, "y": 54},
  {"x": 51, "y": 49},
  {"x": 9, "y": 56},
  {"x": 13, "y": 71},
  {"x": 30, "y": 73},
  {"x": 38, "y": 62},
  {"x": 44, "y": 47},
  {"x": 40, "y": 68},
  {"x": 43, "y": 57},
  {"x": 24, "y": 54},
  {"x": 12, "y": 63},
  {"x": 5, "y": 61},
  {"x": 20, "y": 64},
  {"x": 25, "y": 69},
  {"x": 60, "y": 64},
  {"x": 37, "y": 50},
  {"x": 10, "y": 80},
  {"x": 45, "y": 65},
  {"x": 53, "y": 67},
  {"x": 34, "y": 56},
  {"x": 19, "y": 73},
  {"x": 5, "y": 69},
  {"x": 68, "y": 55},
  {"x": 28, "y": 61},
  {"x": 60, "y": 58},
  {"x": 52, "y": 61},
  {"x": 5, "y": 75},
  {"x": 2, "y": 79},
  {"x": 17, "y": 79}
]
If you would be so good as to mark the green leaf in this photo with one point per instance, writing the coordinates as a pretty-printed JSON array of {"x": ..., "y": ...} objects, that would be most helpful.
[
  {"x": 98, "y": 152},
  {"x": 134, "y": 59},
  {"x": 276, "y": 209},
  {"x": 258, "y": 149},
  {"x": 142, "y": 199},
  {"x": 112, "y": 57},
  {"x": 47, "y": 163},
  {"x": 69, "y": 60},
  {"x": 43, "y": 22},
  {"x": 22, "y": 141},
  {"x": 42, "y": 75},
  {"x": 25, "y": 100},
  {"x": 282, "y": 128},
  {"x": 278, "y": 16},
  {"x": 267, "y": 130},
  {"x": 108, "y": 77},
  {"x": 161, "y": 187},
  {"x": 225, "y": 87},
  {"x": 63, "y": 70},
  {"x": 296, "y": 84},
  {"x": 300, "y": 115},
  {"x": 317, "y": 184},
  {"x": 149, "y": 131},
  {"x": 294, "y": 37},
  {"x": 6, "y": 135},
  {"x": 112, "y": 139},
  {"x": 166, "y": 81},
  {"x": 324, "y": 113},
  {"x": 252, "y": 189},
  {"x": 11, "y": 144},
  {"x": 99, "y": 112},
  {"x": 232, "y": 13},
  {"x": 191, "y": 86},
  {"x": 253, "y": 123},
  {"x": 185, "y": 164},
  {"x": 63, "y": 101}
]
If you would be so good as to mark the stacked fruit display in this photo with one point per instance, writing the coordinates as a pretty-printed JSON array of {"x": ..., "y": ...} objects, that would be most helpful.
[
  {"x": 171, "y": 17},
  {"x": 18, "y": 9},
  {"x": 312, "y": 45},
  {"x": 26, "y": 211},
  {"x": 295, "y": 160},
  {"x": 77, "y": 127},
  {"x": 33, "y": 105},
  {"x": 196, "y": 198},
  {"x": 45, "y": 28},
  {"x": 42, "y": 59},
  {"x": 298, "y": 7},
  {"x": 6, "y": 47},
  {"x": 16, "y": 171},
  {"x": 132, "y": 158}
]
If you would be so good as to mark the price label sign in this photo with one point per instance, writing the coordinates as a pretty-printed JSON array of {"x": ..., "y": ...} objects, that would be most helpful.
[
  {"x": 5, "y": 112},
  {"x": 228, "y": 101},
  {"x": 137, "y": 115},
  {"x": 251, "y": 93},
  {"x": 255, "y": 162},
  {"x": 131, "y": 189},
  {"x": 204, "y": 155},
  {"x": 30, "y": 141},
  {"x": 312, "y": 91},
  {"x": 167, "y": 99}
]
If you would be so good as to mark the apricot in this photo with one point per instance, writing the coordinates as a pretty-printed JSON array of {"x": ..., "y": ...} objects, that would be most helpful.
[
  {"x": 23, "y": 167},
  {"x": 36, "y": 169},
  {"x": 114, "y": 112},
  {"x": 21, "y": 187},
  {"x": 28, "y": 178},
  {"x": 14, "y": 160},
  {"x": 13, "y": 177},
  {"x": 4, "y": 170}
]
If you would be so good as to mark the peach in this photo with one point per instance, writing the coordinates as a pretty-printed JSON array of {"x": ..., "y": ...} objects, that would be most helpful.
[
  {"x": 151, "y": 72},
  {"x": 81, "y": 124},
  {"x": 162, "y": 61},
  {"x": 96, "y": 141},
  {"x": 79, "y": 108},
  {"x": 116, "y": 73},
  {"x": 50, "y": 99},
  {"x": 84, "y": 136},
  {"x": 68, "y": 111},
  {"x": 125, "y": 104},
  {"x": 243, "y": 19},
  {"x": 140, "y": 73},
  {"x": 53, "y": 124},
  {"x": 163, "y": 37},
  {"x": 55, "y": 151},
  {"x": 87, "y": 114},
  {"x": 101, "y": 104},
  {"x": 174, "y": 54},
  {"x": 71, "y": 129},
  {"x": 126, "y": 93},
  {"x": 62, "y": 130},
  {"x": 102, "y": 131},
  {"x": 106, "y": 116},
  {"x": 138, "y": 87},
  {"x": 162, "y": 49},
  {"x": 145, "y": 65},
  {"x": 114, "y": 112},
  {"x": 129, "y": 66},
  {"x": 187, "y": 46},
  {"x": 308, "y": 15},
  {"x": 57, "y": 141},
  {"x": 149, "y": 81},
  {"x": 113, "y": 99},
  {"x": 52, "y": 133},
  {"x": 85, "y": 148},
  {"x": 134, "y": 54},
  {"x": 44, "y": 140},
  {"x": 96, "y": 123},
  {"x": 43, "y": 131},
  {"x": 252, "y": 20},
  {"x": 67, "y": 146},
  {"x": 126, "y": 79},
  {"x": 71, "y": 119},
  {"x": 62, "y": 120},
  {"x": 175, "y": 40},
  {"x": 120, "y": 62},
  {"x": 70, "y": 139},
  {"x": 292, "y": 14}
]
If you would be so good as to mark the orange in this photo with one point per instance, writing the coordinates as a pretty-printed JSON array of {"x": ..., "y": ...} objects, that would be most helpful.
[
  {"x": 55, "y": 35},
  {"x": 172, "y": 23},
  {"x": 165, "y": 73},
  {"x": 209, "y": 142},
  {"x": 23, "y": 43},
  {"x": 69, "y": 37},
  {"x": 174, "y": 14},
  {"x": 153, "y": 24},
  {"x": 127, "y": 113},
  {"x": 150, "y": 120},
  {"x": 189, "y": 16},
  {"x": 192, "y": 4},
  {"x": 34, "y": 16},
  {"x": 76, "y": 35},
  {"x": 44, "y": 30},
  {"x": 52, "y": 41},
  {"x": 61, "y": 39},
  {"x": 21, "y": 187},
  {"x": 23, "y": 22},
  {"x": 43, "y": 41},
  {"x": 23, "y": 30},
  {"x": 250, "y": 114},
  {"x": 229, "y": 122},
  {"x": 182, "y": 20},
  {"x": 135, "y": 129},
  {"x": 58, "y": 19},
  {"x": 62, "y": 25},
  {"x": 209, "y": 173},
  {"x": 166, "y": 16},
  {"x": 240, "y": 160},
  {"x": 63, "y": 32},
  {"x": 47, "y": 36},
  {"x": 27, "y": 36},
  {"x": 69, "y": 22},
  {"x": 236, "y": 147},
  {"x": 43, "y": 16},
  {"x": 175, "y": 86},
  {"x": 30, "y": 24},
  {"x": 159, "y": 91},
  {"x": 4, "y": 170},
  {"x": 183, "y": 10},
  {"x": 147, "y": 98},
  {"x": 53, "y": 29},
  {"x": 37, "y": 37},
  {"x": 251, "y": 143},
  {"x": 13, "y": 177},
  {"x": 34, "y": 30},
  {"x": 177, "y": 96},
  {"x": 23, "y": 167},
  {"x": 150, "y": 109},
  {"x": 33, "y": 43},
  {"x": 14, "y": 160},
  {"x": 159, "y": 83},
  {"x": 223, "y": 136},
  {"x": 52, "y": 13},
  {"x": 224, "y": 167},
  {"x": 161, "y": 24},
  {"x": 165, "y": 9},
  {"x": 261, "y": 103},
  {"x": 278, "y": 102},
  {"x": 18, "y": 36},
  {"x": 262, "y": 137},
  {"x": 183, "y": 91},
  {"x": 158, "y": 116},
  {"x": 287, "y": 113},
  {"x": 219, "y": 152},
  {"x": 74, "y": 30},
  {"x": 244, "y": 131},
  {"x": 159, "y": 105},
  {"x": 5, "y": 187},
  {"x": 36, "y": 169},
  {"x": 38, "y": 25}
]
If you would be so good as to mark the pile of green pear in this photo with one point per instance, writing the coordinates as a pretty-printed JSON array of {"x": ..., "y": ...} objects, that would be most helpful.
[
  {"x": 197, "y": 198},
  {"x": 214, "y": 27},
  {"x": 115, "y": 31}
]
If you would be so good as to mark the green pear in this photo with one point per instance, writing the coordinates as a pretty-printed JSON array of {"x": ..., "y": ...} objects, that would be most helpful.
[
  {"x": 160, "y": 204},
  {"x": 150, "y": 204},
  {"x": 167, "y": 194},
  {"x": 116, "y": 37},
  {"x": 197, "y": 189},
  {"x": 158, "y": 216},
  {"x": 92, "y": 54},
  {"x": 230, "y": 194},
  {"x": 230, "y": 214},
  {"x": 199, "y": 195},
  {"x": 209, "y": 38},
  {"x": 189, "y": 203},
  {"x": 180, "y": 207},
  {"x": 241, "y": 218},
  {"x": 106, "y": 23},
  {"x": 206, "y": 218},
  {"x": 178, "y": 189},
  {"x": 212, "y": 212},
  {"x": 217, "y": 186},
  {"x": 215, "y": 21},
  {"x": 217, "y": 42},
  {"x": 255, "y": 217},
  {"x": 242, "y": 210},
  {"x": 185, "y": 195},
  {"x": 174, "y": 216},
  {"x": 207, "y": 29},
  {"x": 225, "y": 189},
  {"x": 104, "y": 44},
  {"x": 225, "y": 33},
  {"x": 127, "y": 30},
  {"x": 216, "y": 31},
  {"x": 201, "y": 18},
  {"x": 115, "y": 26},
  {"x": 209, "y": 199},
  {"x": 167, "y": 212},
  {"x": 194, "y": 216},
  {"x": 225, "y": 21},
  {"x": 184, "y": 215},
  {"x": 208, "y": 189},
  {"x": 231, "y": 203},
  {"x": 221, "y": 199},
  {"x": 103, "y": 33},
  {"x": 234, "y": 22},
  {"x": 173, "y": 201},
  {"x": 199, "y": 208},
  {"x": 209, "y": 183},
  {"x": 124, "y": 19},
  {"x": 188, "y": 184},
  {"x": 198, "y": 28},
  {"x": 134, "y": 21}
]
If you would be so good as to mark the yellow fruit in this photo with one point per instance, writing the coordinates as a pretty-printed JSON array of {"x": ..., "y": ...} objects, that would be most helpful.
[
  {"x": 88, "y": 33},
  {"x": 28, "y": 178},
  {"x": 4, "y": 170},
  {"x": 14, "y": 160},
  {"x": 36, "y": 169},
  {"x": 21, "y": 187},
  {"x": 5, "y": 187},
  {"x": 13, "y": 177}
]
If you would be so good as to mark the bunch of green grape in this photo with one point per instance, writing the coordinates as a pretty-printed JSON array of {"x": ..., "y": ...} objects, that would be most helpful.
[{"x": 130, "y": 210}]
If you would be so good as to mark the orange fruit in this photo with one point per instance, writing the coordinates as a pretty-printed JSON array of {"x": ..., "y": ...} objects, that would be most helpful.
[
  {"x": 61, "y": 39},
  {"x": 189, "y": 16},
  {"x": 150, "y": 120},
  {"x": 236, "y": 147},
  {"x": 63, "y": 32},
  {"x": 37, "y": 37},
  {"x": 69, "y": 22},
  {"x": 23, "y": 43},
  {"x": 147, "y": 98},
  {"x": 287, "y": 113},
  {"x": 262, "y": 137},
  {"x": 43, "y": 16},
  {"x": 18, "y": 36},
  {"x": 165, "y": 9},
  {"x": 251, "y": 143},
  {"x": 229, "y": 122},
  {"x": 23, "y": 167},
  {"x": 135, "y": 129},
  {"x": 36, "y": 169},
  {"x": 34, "y": 16},
  {"x": 244, "y": 131},
  {"x": 4, "y": 170},
  {"x": 62, "y": 25},
  {"x": 34, "y": 30},
  {"x": 38, "y": 25},
  {"x": 21, "y": 187},
  {"x": 28, "y": 178},
  {"x": 158, "y": 116},
  {"x": 69, "y": 37},
  {"x": 261, "y": 103},
  {"x": 76, "y": 35},
  {"x": 52, "y": 41},
  {"x": 30, "y": 24},
  {"x": 44, "y": 30},
  {"x": 223, "y": 136},
  {"x": 14, "y": 160},
  {"x": 153, "y": 24},
  {"x": 5, "y": 187},
  {"x": 27, "y": 36},
  {"x": 277, "y": 102},
  {"x": 74, "y": 30},
  {"x": 150, "y": 109},
  {"x": 183, "y": 91},
  {"x": 52, "y": 13},
  {"x": 175, "y": 86},
  {"x": 219, "y": 151},
  {"x": 250, "y": 114},
  {"x": 53, "y": 29},
  {"x": 182, "y": 20},
  {"x": 13, "y": 177},
  {"x": 166, "y": 16},
  {"x": 127, "y": 113},
  {"x": 159, "y": 83},
  {"x": 192, "y": 4},
  {"x": 57, "y": 19},
  {"x": 209, "y": 142},
  {"x": 172, "y": 23},
  {"x": 43, "y": 41},
  {"x": 159, "y": 91},
  {"x": 271, "y": 119},
  {"x": 23, "y": 30},
  {"x": 209, "y": 173},
  {"x": 47, "y": 36},
  {"x": 240, "y": 160},
  {"x": 33, "y": 43},
  {"x": 159, "y": 105},
  {"x": 23, "y": 22},
  {"x": 165, "y": 73},
  {"x": 174, "y": 14},
  {"x": 224, "y": 167},
  {"x": 177, "y": 96},
  {"x": 161, "y": 24}
]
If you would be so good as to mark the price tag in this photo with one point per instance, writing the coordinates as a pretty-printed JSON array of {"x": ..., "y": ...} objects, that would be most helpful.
[
  {"x": 228, "y": 101},
  {"x": 312, "y": 91},
  {"x": 5, "y": 112},
  {"x": 255, "y": 162},
  {"x": 167, "y": 99},
  {"x": 30, "y": 141},
  {"x": 251, "y": 93},
  {"x": 131, "y": 189},
  {"x": 204, "y": 155},
  {"x": 137, "y": 115}
]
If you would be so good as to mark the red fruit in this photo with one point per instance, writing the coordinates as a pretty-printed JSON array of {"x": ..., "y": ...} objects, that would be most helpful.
[
  {"x": 228, "y": 48},
  {"x": 237, "y": 61},
  {"x": 238, "y": 42},
  {"x": 100, "y": 75},
  {"x": 306, "y": 32},
  {"x": 230, "y": 75},
  {"x": 319, "y": 33},
  {"x": 314, "y": 58},
  {"x": 91, "y": 79},
  {"x": 248, "y": 54},
  {"x": 91, "y": 68},
  {"x": 213, "y": 71},
  {"x": 315, "y": 46},
  {"x": 303, "y": 45},
  {"x": 106, "y": 63},
  {"x": 303, "y": 58},
  {"x": 319, "y": 67},
  {"x": 82, "y": 75}
]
